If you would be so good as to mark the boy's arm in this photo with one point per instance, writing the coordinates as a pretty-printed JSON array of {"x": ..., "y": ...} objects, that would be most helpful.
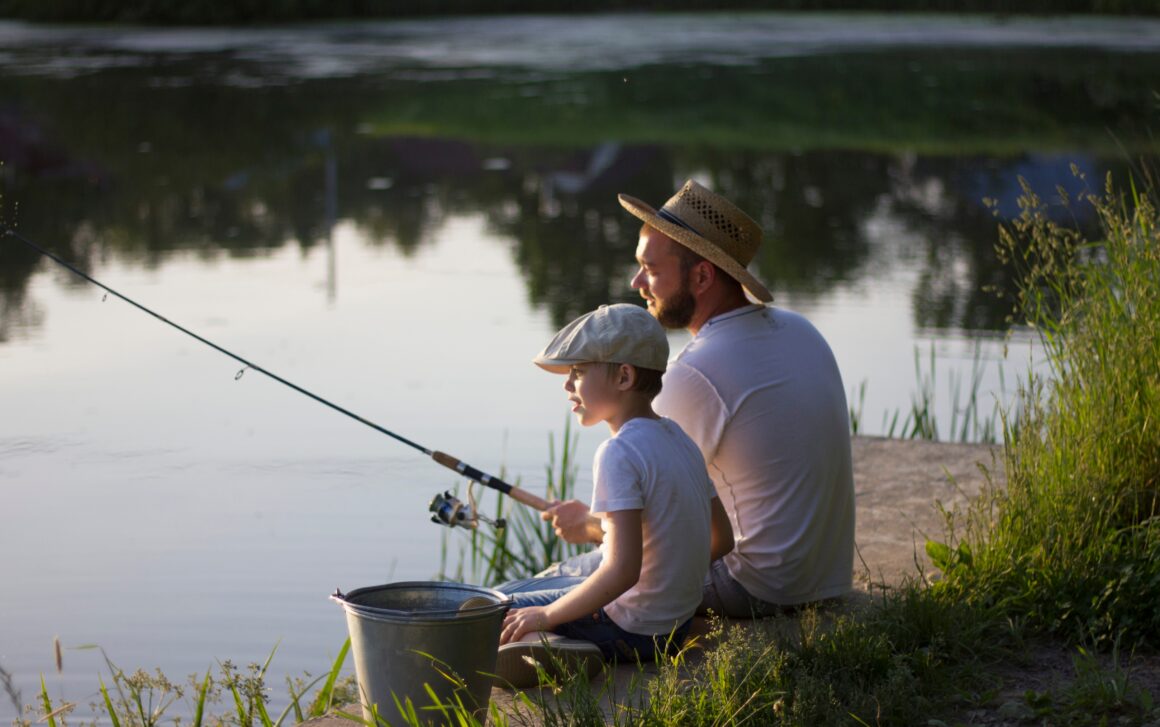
[
  {"x": 721, "y": 539},
  {"x": 619, "y": 570},
  {"x": 573, "y": 522}
]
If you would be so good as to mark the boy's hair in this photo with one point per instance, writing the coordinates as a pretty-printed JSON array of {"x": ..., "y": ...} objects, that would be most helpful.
[{"x": 646, "y": 382}]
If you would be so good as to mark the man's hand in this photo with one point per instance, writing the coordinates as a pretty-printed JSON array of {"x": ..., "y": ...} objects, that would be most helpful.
[
  {"x": 520, "y": 621},
  {"x": 572, "y": 521}
]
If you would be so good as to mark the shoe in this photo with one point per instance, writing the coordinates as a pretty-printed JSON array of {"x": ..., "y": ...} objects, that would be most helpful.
[
  {"x": 475, "y": 602},
  {"x": 516, "y": 663}
]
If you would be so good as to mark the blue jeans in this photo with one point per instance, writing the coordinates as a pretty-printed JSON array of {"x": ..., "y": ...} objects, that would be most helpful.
[{"x": 615, "y": 643}]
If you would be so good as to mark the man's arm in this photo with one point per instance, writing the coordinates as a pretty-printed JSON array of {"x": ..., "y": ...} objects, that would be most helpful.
[
  {"x": 691, "y": 400},
  {"x": 721, "y": 534}
]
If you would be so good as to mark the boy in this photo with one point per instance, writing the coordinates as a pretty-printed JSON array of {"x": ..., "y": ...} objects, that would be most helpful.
[{"x": 659, "y": 520}]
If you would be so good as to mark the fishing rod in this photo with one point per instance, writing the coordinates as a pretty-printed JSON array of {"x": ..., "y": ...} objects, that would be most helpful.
[{"x": 446, "y": 509}]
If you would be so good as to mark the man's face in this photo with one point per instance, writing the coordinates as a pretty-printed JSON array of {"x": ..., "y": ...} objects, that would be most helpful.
[{"x": 661, "y": 280}]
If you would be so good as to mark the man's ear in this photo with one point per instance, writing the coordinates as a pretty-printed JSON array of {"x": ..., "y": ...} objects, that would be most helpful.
[
  {"x": 701, "y": 276},
  {"x": 625, "y": 377}
]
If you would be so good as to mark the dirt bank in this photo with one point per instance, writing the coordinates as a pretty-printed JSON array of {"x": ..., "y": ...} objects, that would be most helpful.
[{"x": 897, "y": 484}]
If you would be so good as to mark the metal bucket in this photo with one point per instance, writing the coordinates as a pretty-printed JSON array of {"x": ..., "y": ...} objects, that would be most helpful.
[{"x": 408, "y": 635}]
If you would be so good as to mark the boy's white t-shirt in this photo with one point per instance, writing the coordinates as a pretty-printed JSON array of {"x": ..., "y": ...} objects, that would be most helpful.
[{"x": 651, "y": 465}]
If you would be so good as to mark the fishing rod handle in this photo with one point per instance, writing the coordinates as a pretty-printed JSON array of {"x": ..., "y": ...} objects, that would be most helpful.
[{"x": 487, "y": 480}]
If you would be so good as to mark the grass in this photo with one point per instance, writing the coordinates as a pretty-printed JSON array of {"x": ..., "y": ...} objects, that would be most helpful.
[
  {"x": 1073, "y": 542},
  {"x": 237, "y": 697}
]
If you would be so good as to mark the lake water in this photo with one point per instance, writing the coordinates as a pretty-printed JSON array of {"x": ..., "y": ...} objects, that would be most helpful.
[{"x": 397, "y": 217}]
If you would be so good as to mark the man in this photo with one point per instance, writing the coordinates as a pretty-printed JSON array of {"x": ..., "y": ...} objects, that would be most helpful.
[{"x": 758, "y": 390}]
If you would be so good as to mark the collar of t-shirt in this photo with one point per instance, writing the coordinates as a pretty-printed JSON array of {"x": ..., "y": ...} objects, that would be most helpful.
[{"x": 731, "y": 314}]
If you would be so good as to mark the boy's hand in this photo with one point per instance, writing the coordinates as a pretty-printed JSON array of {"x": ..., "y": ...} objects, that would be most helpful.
[
  {"x": 520, "y": 621},
  {"x": 571, "y": 521}
]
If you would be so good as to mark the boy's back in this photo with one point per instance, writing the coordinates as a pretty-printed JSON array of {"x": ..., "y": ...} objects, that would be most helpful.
[{"x": 653, "y": 466}]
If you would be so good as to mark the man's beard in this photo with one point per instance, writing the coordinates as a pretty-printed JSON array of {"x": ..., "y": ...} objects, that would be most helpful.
[{"x": 675, "y": 311}]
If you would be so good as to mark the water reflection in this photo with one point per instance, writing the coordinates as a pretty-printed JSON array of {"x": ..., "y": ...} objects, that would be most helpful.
[
  {"x": 169, "y": 150},
  {"x": 569, "y": 236}
]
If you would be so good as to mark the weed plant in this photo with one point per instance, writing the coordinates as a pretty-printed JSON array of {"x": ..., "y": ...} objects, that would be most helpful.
[
  {"x": 234, "y": 698},
  {"x": 1072, "y": 545}
]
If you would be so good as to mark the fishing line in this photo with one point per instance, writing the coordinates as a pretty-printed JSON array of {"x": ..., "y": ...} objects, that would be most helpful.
[{"x": 439, "y": 505}]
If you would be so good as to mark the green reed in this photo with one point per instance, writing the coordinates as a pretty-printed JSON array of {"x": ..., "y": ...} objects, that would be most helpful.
[
  {"x": 968, "y": 424},
  {"x": 1072, "y": 543},
  {"x": 527, "y": 544},
  {"x": 235, "y": 697}
]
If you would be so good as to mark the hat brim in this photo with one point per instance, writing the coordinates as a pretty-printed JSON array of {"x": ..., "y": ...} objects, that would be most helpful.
[
  {"x": 700, "y": 245},
  {"x": 555, "y": 366}
]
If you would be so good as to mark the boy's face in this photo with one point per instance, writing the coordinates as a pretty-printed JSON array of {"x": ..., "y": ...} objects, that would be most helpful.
[{"x": 593, "y": 393}]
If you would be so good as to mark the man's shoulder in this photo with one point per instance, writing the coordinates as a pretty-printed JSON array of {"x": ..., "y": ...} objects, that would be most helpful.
[{"x": 765, "y": 328}]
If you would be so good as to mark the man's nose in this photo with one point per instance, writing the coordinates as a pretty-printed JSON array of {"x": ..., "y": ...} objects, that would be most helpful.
[{"x": 637, "y": 281}]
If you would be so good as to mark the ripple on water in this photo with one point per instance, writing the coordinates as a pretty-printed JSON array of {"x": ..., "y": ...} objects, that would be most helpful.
[{"x": 543, "y": 43}]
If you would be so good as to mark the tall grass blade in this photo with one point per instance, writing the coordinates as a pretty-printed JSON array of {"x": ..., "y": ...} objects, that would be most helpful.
[
  {"x": 46, "y": 701},
  {"x": 199, "y": 707},
  {"x": 323, "y": 701},
  {"x": 109, "y": 705}
]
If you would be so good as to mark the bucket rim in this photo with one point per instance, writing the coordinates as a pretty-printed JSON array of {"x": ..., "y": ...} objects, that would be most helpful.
[{"x": 502, "y": 603}]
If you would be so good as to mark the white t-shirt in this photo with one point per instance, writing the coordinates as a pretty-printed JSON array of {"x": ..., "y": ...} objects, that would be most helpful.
[
  {"x": 759, "y": 391},
  {"x": 652, "y": 466}
]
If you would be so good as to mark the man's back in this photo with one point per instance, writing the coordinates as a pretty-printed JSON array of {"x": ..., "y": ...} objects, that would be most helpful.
[{"x": 759, "y": 391}]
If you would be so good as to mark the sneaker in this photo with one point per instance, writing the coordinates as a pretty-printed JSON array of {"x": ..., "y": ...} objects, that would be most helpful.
[
  {"x": 475, "y": 602},
  {"x": 516, "y": 663}
]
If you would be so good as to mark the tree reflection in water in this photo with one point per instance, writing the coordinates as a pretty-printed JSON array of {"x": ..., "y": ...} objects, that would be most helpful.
[{"x": 168, "y": 153}]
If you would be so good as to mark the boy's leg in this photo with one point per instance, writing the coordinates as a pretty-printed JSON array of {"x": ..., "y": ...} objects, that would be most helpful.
[
  {"x": 583, "y": 564},
  {"x": 616, "y": 644},
  {"x": 579, "y": 646},
  {"x": 557, "y": 575},
  {"x": 538, "y": 591}
]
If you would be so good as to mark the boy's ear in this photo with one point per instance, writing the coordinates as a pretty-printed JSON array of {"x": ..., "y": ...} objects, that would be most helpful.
[{"x": 625, "y": 377}]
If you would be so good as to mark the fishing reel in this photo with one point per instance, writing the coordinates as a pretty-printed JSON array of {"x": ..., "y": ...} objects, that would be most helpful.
[{"x": 449, "y": 510}]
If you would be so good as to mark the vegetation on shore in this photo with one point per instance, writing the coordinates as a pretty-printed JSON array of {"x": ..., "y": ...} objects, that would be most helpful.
[{"x": 253, "y": 11}]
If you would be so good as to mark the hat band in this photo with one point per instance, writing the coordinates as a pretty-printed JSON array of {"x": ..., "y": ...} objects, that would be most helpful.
[{"x": 670, "y": 217}]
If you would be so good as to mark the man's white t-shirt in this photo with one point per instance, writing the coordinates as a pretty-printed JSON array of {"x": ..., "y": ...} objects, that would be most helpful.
[
  {"x": 652, "y": 466},
  {"x": 759, "y": 391}
]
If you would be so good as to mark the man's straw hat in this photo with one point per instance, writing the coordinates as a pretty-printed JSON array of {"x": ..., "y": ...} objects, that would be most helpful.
[{"x": 709, "y": 225}]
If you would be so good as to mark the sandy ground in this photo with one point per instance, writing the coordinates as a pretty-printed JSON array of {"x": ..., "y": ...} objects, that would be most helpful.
[{"x": 898, "y": 486}]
